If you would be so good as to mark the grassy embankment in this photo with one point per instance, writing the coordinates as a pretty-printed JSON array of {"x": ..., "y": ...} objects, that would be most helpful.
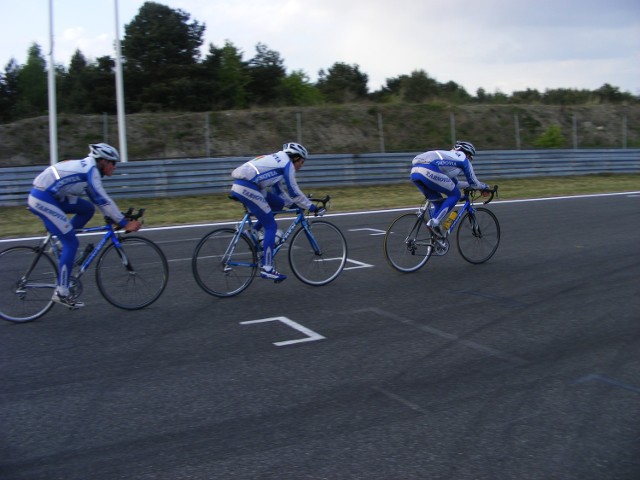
[{"x": 16, "y": 221}]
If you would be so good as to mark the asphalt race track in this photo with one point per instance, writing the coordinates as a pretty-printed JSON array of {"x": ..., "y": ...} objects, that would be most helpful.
[{"x": 526, "y": 367}]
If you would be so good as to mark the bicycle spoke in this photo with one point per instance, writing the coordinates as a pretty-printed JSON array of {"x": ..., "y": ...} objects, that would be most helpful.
[
  {"x": 407, "y": 243},
  {"x": 318, "y": 257},
  {"x": 222, "y": 268},
  {"x": 134, "y": 277},
  {"x": 478, "y": 236},
  {"x": 26, "y": 289}
]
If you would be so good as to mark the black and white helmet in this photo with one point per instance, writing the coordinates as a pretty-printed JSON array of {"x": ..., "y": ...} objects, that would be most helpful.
[
  {"x": 103, "y": 150},
  {"x": 466, "y": 147},
  {"x": 295, "y": 149}
]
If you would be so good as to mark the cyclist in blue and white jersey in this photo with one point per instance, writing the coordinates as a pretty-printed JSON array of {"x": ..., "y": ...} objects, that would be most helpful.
[
  {"x": 268, "y": 183},
  {"x": 56, "y": 193},
  {"x": 435, "y": 174}
]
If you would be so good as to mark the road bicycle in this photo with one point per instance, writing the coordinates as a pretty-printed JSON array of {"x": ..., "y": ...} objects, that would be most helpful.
[
  {"x": 409, "y": 241},
  {"x": 226, "y": 260},
  {"x": 131, "y": 273}
]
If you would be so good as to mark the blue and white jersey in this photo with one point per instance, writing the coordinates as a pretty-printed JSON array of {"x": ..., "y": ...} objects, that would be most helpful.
[
  {"x": 275, "y": 173},
  {"x": 72, "y": 178},
  {"x": 450, "y": 162}
]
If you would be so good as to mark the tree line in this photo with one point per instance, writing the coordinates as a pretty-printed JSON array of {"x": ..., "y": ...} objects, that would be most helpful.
[{"x": 164, "y": 71}]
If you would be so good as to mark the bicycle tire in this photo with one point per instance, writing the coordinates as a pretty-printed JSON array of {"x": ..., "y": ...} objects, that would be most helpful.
[
  {"x": 222, "y": 277},
  {"x": 24, "y": 300},
  {"x": 408, "y": 243},
  {"x": 138, "y": 283},
  {"x": 478, "y": 236},
  {"x": 318, "y": 268}
]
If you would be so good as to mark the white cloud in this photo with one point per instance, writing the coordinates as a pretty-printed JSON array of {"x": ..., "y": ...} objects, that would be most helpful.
[{"x": 494, "y": 44}]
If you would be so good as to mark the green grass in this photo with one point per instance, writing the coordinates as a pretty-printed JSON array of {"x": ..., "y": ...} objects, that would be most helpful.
[{"x": 17, "y": 221}]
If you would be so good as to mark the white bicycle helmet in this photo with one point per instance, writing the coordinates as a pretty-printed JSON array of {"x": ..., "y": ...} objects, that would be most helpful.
[
  {"x": 466, "y": 147},
  {"x": 103, "y": 150},
  {"x": 295, "y": 149}
]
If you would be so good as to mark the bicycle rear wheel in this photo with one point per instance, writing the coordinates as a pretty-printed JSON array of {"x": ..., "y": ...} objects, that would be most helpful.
[
  {"x": 220, "y": 270},
  {"x": 407, "y": 243},
  {"x": 26, "y": 289},
  {"x": 134, "y": 276},
  {"x": 318, "y": 257},
  {"x": 478, "y": 236}
]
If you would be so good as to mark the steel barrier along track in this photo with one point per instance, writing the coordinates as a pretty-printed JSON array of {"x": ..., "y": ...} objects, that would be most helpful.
[{"x": 189, "y": 176}]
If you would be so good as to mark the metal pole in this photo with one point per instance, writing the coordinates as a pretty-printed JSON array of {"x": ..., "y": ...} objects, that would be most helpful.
[
  {"x": 381, "y": 132},
  {"x": 517, "y": 119},
  {"x": 299, "y": 126},
  {"x": 452, "y": 121},
  {"x": 105, "y": 127},
  {"x": 575, "y": 132},
  {"x": 122, "y": 126},
  {"x": 624, "y": 131},
  {"x": 207, "y": 142},
  {"x": 53, "y": 121}
]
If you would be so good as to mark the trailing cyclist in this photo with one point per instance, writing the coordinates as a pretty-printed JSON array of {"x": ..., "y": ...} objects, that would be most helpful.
[
  {"x": 56, "y": 193},
  {"x": 268, "y": 183},
  {"x": 435, "y": 174}
]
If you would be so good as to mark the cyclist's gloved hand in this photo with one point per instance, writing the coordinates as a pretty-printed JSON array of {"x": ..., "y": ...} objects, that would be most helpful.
[
  {"x": 318, "y": 212},
  {"x": 486, "y": 191},
  {"x": 133, "y": 226}
]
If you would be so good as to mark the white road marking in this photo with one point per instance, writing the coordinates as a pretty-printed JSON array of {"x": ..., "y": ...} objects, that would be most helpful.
[
  {"x": 611, "y": 381},
  {"x": 376, "y": 231},
  {"x": 449, "y": 336},
  {"x": 311, "y": 335},
  {"x": 358, "y": 264}
]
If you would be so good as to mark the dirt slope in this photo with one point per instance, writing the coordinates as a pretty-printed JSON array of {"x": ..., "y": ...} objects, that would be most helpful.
[{"x": 335, "y": 129}]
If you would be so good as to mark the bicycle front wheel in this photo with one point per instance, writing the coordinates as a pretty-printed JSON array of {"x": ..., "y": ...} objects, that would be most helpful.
[
  {"x": 221, "y": 268},
  {"x": 319, "y": 255},
  {"x": 478, "y": 236},
  {"x": 26, "y": 288},
  {"x": 133, "y": 276},
  {"x": 407, "y": 243}
]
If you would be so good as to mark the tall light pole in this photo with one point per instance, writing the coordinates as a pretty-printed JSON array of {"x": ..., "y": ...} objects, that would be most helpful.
[
  {"x": 53, "y": 122},
  {"x": 122, "y": 124}
]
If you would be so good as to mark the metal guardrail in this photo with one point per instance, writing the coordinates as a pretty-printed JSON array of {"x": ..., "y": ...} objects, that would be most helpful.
[{"x": 175, "y": 177}]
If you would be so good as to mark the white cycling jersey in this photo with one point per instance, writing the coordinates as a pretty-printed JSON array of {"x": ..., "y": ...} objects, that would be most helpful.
[
  {"x": 275, "y": 171},
  {"x": 72, "y": 178},
  {"x": 451, "y": 163}
]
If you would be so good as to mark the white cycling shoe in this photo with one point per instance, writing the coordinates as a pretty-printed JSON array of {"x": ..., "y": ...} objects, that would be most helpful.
[
  {"x": 270, "y": 274},
  {"x": 66, "y": 301}
]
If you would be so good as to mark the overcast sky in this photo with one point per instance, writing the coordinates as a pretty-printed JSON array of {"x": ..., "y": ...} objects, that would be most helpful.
[{"x": 498, "y": 45}]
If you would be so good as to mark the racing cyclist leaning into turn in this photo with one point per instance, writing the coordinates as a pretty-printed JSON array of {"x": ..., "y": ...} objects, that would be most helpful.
[
  {"x": 268, "y": 183},
  {"x": 56, "y": 193},
  {"x": 435, "y": 174}
]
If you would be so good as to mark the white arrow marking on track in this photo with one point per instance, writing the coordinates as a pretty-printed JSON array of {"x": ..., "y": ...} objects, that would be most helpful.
[
  {"x": 375, "y": 231},
  {"x": 358, "y": 264},
  {"x": 311, "y": 335}
]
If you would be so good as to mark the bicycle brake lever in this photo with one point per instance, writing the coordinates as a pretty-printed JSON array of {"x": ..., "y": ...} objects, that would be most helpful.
[{"x": 493, "y": 192}]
